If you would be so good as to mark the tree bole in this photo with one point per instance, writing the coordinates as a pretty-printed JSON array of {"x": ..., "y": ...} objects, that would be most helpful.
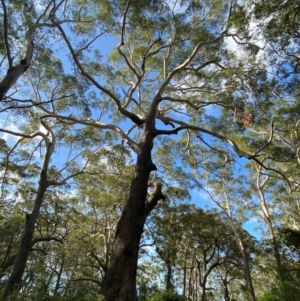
[{"x": 119, "y": 283}]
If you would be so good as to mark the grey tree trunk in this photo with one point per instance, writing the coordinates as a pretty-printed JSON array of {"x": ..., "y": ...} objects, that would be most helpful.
[
  {"x": 15, "y": 72},
  {"x": 269, "y": 221},
  {"x": 15, "y": 279}
]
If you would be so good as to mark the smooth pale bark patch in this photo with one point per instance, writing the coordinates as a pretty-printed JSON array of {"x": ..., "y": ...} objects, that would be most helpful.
[{"x": 14, "y": 73}]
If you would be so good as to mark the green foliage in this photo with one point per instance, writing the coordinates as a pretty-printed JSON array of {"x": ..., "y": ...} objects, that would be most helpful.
[
  {"x": 283, "y": 291},
  {"x": 238, "y": 16},
  {"x": 167, "y": 296},
  {"x": 96, "y": 63},
  {"x": 83, "y": 295},
  {"x": 291, "y": 237}
]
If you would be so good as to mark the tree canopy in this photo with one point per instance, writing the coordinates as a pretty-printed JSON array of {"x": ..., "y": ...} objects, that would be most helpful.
[{"x": 117, "y": 117}]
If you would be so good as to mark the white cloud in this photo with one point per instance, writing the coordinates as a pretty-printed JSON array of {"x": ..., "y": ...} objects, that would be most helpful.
[
  {"x": 231, "y": 44},
  {"x": 10, "y": 126},
  {"x": 39, "y": 5}
]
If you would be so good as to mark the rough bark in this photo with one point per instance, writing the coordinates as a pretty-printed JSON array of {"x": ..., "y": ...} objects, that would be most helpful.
[{"x": 119, "y": 283}]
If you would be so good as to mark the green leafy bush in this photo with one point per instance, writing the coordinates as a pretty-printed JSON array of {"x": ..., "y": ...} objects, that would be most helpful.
[
  {"x": 283, "y": 291},
  {"x": 167, "y": 296}
]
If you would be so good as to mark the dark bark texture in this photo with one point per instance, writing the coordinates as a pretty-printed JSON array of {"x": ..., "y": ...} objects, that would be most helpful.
[{"x": 119, "y": 283}]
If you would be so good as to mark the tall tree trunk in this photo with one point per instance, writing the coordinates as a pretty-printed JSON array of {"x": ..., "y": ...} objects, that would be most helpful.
[
  {"x": 184, "y": 273},
  {"x": 58, "y": 279},
  {"x": 21, "y": 259},
  {"x": 169, "y": 285},
  {"x": 245, "y": 255},
  {"x": 269, "y": 222},
  {"x": 226, "y": 291},
  {"x": 239, "y": 240},
  {"x": 203, "y": 293},
  {"x": 119, "y": 283},
  {"x": 190, "y": 290},
  {"x": 15, "y": 278},
  {"x": 248, "y": 272},
  {"x": 191, "y": 278},
  {"x": 166, "y": 257}
]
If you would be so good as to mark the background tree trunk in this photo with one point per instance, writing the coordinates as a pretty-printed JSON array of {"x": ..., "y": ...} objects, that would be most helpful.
[
  {"x": 269, "y": 221},
  {"x": 15, "y": 278}
]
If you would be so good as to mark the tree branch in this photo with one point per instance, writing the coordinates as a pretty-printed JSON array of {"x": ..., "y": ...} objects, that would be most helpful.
[
  {"x": 14, "y": 72},
  {"x": 153, "y": 198},
  {"x": 187, "y": 61},
  {"x": 101, "y": 264},
  {"x": 47, "y": 238},
  {"x": 5, "y": 34},
  {"x": 88, "y": 279},
  {"x": 126, "y": 113},
  {"x": 71, "y": 120},
  {"x": 237, "y": 150}
]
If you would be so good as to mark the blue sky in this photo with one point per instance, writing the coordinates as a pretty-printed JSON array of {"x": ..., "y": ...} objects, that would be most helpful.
[{"x": 105, "y": 45}]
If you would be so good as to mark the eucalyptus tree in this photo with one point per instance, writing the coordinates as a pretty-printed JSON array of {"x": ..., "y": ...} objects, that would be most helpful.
[
  {"x": 31, "y": 156},
  {"x": 279, "y": 210},
  {"x": 268, "y": 216},
  {"x": 279, "y": 26},
  {"x": 169, "y": 66},
  {"x": 232, "y": 196},
  {"x": 45, "y": 264},
  {"x": 280, "y": 23},
  {"x": 21, "y": 29},
  {"x": 83, "y": 224},
  {"x": 101, "y": 198},
  {"x": 171, "y": 60},
  {"x": 213, "y": 245},
  {"x": 49, "y": 176},
  {"x": 194, "y": 247}
]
